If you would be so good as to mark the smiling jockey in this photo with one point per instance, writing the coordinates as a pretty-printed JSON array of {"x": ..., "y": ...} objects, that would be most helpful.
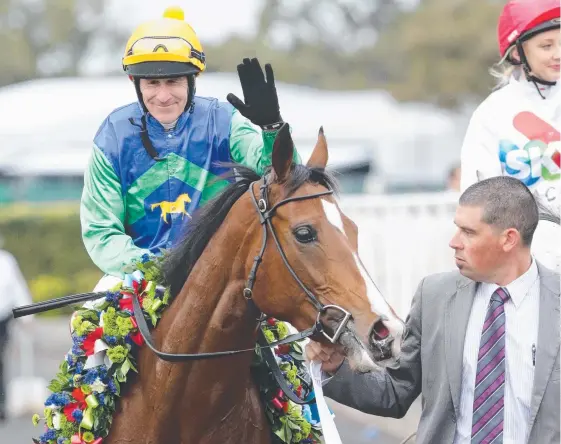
[
  {"x": 153, "y": 161},
  {"x": 516, "y": 130}
]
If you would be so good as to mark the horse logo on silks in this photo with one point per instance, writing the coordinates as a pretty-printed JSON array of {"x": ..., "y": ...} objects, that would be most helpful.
[{"x": 173, "y": 207}]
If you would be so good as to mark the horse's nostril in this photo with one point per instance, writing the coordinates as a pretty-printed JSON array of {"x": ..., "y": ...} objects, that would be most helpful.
[{"x": 379, "y": 331}]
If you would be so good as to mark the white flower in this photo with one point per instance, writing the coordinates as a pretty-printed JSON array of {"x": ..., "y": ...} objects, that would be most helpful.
[
  {"x": 98, "y": 386},
  {"x": 56, "y": 421}
]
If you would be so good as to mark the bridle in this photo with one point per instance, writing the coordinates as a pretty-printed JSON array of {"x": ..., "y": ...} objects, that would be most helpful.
[
  {"x": 265, "y": 214},
  {"x": 265, "y": 218}
]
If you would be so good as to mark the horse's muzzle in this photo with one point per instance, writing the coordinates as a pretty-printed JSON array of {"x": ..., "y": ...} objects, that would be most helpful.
[{"x": 381, "y": 342}]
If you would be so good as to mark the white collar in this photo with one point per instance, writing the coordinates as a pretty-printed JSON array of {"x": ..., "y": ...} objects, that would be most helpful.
[
  {"x": 519, "y": 81},
  {"x": 520, "y": 287},
  {"x": 170, "y": 126}
]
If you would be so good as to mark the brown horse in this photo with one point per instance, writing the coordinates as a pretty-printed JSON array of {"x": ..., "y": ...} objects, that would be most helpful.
[{"x": 310, "y": 261}]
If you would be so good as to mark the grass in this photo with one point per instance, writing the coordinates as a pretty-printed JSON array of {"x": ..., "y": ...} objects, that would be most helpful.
[{"x": 45, "y": 210}]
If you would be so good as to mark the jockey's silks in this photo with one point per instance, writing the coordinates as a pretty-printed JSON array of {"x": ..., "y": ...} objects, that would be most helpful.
[{"x": 133, "y": 204}]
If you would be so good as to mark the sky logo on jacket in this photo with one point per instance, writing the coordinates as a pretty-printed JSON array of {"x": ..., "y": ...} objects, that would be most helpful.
[{"x": 539, "y": 158}]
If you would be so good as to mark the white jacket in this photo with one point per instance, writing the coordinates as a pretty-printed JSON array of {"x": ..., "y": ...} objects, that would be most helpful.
[
  {"x": 515, "y": 132},
  {"x": 13, "y": 288}
]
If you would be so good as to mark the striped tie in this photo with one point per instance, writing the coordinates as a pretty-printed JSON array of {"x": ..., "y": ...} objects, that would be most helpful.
[{"x": 488, "y": 404}]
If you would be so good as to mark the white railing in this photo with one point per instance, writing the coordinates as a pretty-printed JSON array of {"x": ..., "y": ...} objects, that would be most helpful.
[{"x": 403, "y": 238}]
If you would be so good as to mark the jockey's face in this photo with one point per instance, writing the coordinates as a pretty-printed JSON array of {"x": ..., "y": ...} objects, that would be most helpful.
[
  {"x": 543, "y": 52},
  {"x": 165, "y": 99}
]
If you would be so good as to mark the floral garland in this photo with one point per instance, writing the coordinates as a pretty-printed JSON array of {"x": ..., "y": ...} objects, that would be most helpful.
[
  {"x": 105, "y": 333},
  {"x": 290, "y": 422}
]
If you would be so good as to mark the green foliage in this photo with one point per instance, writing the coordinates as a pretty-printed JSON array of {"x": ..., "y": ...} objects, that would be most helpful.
[
  {"x": 439, "y": 52},
  {"x": 49, "y": 37}
]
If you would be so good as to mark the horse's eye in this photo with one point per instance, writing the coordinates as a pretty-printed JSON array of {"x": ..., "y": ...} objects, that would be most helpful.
[{"x": 305, "y": 234}]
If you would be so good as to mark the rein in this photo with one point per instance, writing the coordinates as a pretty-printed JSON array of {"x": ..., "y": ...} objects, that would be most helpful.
[{"x": 265, "y": 218}]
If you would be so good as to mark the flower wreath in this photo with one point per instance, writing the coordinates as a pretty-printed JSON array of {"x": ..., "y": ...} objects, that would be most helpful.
[{"x": 105, "y": 334}]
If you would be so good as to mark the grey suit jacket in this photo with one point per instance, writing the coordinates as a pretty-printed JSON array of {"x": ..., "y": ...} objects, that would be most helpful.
[{"x": 431, "y": 363}]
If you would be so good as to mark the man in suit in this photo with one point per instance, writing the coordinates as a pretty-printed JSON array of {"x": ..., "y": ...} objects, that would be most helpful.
[{"x": 483, "y": 343}]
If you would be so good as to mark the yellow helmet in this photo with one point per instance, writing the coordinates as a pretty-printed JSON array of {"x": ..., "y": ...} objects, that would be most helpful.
[{"x": 166, "y": 47}]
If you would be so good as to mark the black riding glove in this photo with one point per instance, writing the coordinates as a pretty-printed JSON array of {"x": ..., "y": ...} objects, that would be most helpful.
[{"x": 261, "y": 105}]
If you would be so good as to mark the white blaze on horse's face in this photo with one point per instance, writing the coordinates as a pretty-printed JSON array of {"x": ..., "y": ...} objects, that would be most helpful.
[
  {"x": 379, "y": 305},
  {"x": 333, "y": 215}
]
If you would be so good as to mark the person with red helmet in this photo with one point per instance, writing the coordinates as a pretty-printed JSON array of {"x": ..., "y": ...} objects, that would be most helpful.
[{"x": 516, "y": 130}]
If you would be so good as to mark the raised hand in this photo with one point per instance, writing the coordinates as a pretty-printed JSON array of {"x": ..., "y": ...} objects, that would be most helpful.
[{"x": 261, "y": 104}]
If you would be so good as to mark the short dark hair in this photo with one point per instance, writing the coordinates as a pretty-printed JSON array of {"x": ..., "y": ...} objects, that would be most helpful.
[{"x": 506, "y": 203}]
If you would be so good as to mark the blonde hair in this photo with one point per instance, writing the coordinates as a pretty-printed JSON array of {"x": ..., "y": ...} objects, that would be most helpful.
[{"x": 503, "y": 70}]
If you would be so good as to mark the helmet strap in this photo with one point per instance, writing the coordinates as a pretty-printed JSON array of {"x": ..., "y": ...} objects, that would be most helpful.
[
  {"x": 190, "y": 105},
  {"x": 146, "y": 142},
  {"x": 136, "y": 81},
  {"x": 528, "y": 69}
]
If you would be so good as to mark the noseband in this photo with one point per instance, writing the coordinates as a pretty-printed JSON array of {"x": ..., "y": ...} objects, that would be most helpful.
[{"x": 265, "y": 218}]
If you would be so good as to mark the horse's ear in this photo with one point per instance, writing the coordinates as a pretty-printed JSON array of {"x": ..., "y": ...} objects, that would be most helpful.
[
  {"x": 283, "y": 150},
  {"x": 319, "y": 156}
]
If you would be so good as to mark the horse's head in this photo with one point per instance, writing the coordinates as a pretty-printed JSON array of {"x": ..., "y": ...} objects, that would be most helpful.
[
  {"x": 184, "y": 198},
  {"x": 310, "y": 240}
]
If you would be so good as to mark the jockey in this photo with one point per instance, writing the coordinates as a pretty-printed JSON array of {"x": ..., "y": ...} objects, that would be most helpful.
[
  {"x": 153, "y": 161},
  {"x": 515, "y": 131}
]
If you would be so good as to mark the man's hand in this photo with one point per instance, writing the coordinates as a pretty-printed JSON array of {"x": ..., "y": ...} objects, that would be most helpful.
[
  {"x": 261, "y": 105},
  {"x": 331, "y": 356}
]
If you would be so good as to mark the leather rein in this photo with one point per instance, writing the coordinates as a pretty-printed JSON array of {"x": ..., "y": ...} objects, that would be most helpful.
[{"x": 265, "y": 217}]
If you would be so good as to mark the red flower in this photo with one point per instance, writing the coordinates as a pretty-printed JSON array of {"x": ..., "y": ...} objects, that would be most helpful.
[
  {"x": 88, "y": 344},
  {"x": 137, "y": 338},
  {"x": 126, "y": 303},
  {"x": 142, "y": 286},
  {"x": 80, "y": 404},
  {"x": 68, "y": 409},
  {"x": 79, "y": 396},
  {"x": 276, "y": 404},
  {"x": 283, "y": 349}
]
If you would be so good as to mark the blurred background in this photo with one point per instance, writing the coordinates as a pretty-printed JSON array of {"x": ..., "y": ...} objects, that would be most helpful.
[{"x": 392, "y": 82}]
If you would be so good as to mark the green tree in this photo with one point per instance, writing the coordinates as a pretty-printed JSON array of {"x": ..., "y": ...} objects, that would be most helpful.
[
  {"x": 49, "y": 37},
  {"x": 440, "y": 52}
]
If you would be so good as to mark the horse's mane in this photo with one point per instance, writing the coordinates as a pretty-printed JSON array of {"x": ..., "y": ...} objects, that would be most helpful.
[
  {"x": 181, "y": 259},
  {"x": 547, "y": 213}
]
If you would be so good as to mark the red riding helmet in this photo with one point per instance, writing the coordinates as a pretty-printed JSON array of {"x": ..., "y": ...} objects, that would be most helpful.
[{"x": 522, "y": 19}]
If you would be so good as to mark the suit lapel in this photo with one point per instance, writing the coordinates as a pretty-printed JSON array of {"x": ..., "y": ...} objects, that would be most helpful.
[
  {"x": 548, "y": 337},
  {"x": 456, "y": 320}
]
